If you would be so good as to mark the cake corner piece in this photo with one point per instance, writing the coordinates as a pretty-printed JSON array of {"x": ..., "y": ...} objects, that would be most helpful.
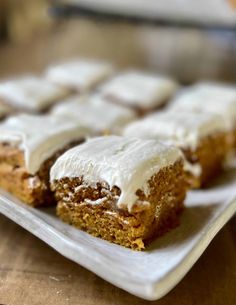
[{"x": 26, "y": 155}]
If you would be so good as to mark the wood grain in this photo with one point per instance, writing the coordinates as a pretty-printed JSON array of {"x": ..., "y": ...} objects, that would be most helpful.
[{"x": 31, "y": 273}]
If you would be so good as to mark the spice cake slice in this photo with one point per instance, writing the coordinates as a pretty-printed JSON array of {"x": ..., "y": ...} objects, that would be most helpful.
[
  {"x": 203, "y": 138},
  {"x": 29, "y": 145},
  {"x": 124, "y": 190},
  {"x": 95, "y": 112},
  {"x": 30, "y": 93},
  {"x": 209, "y": 97},
  {"x": 80, "y": 75},
  {"x": 139, "y": 90}
]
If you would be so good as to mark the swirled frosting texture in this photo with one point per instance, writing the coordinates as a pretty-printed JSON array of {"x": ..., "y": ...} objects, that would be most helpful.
[
  {"x": 139, "y": 89},
  {"x": 127, "y": 163},
  {"x": 184, "y": 128},
  {"x": 96, "y": 113},
  {"x": 80, "y": 74},
  {"x": 208, "y": 97},
  {"x": 30, "y": 93}
]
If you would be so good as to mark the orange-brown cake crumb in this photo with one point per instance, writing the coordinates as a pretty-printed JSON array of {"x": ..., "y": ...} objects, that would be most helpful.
[
  {"x": 210, "y": 155},
  {"x": 14, "y": 177}
]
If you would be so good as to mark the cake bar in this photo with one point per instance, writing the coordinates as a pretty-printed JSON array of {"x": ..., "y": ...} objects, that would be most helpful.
[
  {"x": 209, "y": 97},
  {"x": 30, "y": 93},
  {"x": 29, "y": 145},
  {"x": 126, "y": 191},
  {"x": 141, "y": 91},
  {"x": 203, "y": 138},
  {"x": 80, "y": 75},
  {"x": 96, "y": 113}
]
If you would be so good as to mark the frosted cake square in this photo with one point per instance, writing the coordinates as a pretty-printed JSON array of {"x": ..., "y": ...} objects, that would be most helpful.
[
  {"x": 96, "y": 113},
  {"x": 81, "y": 75},
  {"x": 203, "y": 138},
  {"x": 139, "y": 90},
  {"x": 126, "y": 191},
  {"x": 29, "y": 145},
  {"x": 209, "y": 97},
  {"x": 30, "y": 93}
]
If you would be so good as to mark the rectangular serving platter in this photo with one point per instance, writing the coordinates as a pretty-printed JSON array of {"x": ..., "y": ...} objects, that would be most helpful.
[{"x": 149, "y": 274}]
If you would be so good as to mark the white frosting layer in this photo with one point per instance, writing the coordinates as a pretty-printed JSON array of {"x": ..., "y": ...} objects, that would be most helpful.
[
  {"x": 183, "y": 129},
  {"x": 30, "y": 93},
  {"x": 209, "y": 97},
  {"x": 39, "y": 137},
  {"x": 139, "y": 89},
  {"x": 96, "y": 113},
  {"x": 80, "y": 74},
  {"x": 127, "y": 163}
]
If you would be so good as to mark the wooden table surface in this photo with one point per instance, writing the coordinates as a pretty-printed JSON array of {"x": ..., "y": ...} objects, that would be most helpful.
[{"x": 31, "y": 273}]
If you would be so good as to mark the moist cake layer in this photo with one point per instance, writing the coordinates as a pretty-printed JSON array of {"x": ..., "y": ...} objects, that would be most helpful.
[
  {"x": 14, "y": 177},
  {"x": 211, "y": 154},
  {"x": 94, "y": 209}
]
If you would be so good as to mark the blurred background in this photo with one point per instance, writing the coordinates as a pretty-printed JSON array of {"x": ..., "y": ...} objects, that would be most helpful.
[{"x": 187, "y": 39}]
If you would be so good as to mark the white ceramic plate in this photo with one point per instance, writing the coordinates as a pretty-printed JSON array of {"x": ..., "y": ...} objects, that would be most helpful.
[{"x": 149, "y": 274}]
